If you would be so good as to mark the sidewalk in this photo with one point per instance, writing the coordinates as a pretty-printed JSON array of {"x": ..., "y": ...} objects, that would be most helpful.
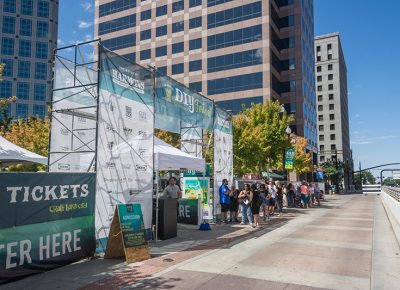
[{"x": 190, "y": 243}]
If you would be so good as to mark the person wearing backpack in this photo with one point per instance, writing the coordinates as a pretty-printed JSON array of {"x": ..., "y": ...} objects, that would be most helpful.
[{"x": 255, "y": 205}]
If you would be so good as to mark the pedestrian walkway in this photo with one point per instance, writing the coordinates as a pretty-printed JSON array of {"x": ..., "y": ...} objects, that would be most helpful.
[{"x": 347, "y": 243}]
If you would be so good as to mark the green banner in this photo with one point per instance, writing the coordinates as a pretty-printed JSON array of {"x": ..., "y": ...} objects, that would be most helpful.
[
  {"x": 132, "y": 227},
  {"x": 289, "y": 158},
  {"x": 188, "y": 211},
  {"x": 46, "y": 220}
]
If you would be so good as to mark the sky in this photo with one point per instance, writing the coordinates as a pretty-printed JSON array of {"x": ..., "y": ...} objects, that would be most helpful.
[{"x": 370, "y": 38}]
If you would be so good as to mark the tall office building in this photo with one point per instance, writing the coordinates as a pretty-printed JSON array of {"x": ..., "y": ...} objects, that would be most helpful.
[
  {"x": 28, "y": 37},
  {"x": 332, "y": 100},
  {"x": 233, "y": 51}
]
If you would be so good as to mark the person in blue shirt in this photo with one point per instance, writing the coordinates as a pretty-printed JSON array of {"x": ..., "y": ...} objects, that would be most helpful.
[{"x": 224, "y": 200}]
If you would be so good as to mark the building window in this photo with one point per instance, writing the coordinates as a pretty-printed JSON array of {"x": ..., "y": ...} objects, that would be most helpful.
[
  {"x": 120, "y": 42},
  {"x": 330, "y": 77},
  {"x": 8, "y": 70},
  {"x": 8, "y": 24},
  {"x": 178, "y": 6},
  {"x": 331, "y": 117},
  {"x": 161, "y": 30},
  {"x": 329, "y": 46},
  {"x": 43, "y": 9},
  {"x": 321, "y": 137},
  {"x": 319, "y": 68},
  {"x": 333, "y": 137},
  {"x": 318, "y": 58},
  {"x": 7, "y": 46},
  {"x": 211, "y": 3},
  {"x": 321, "y": 128},
  {"x": 331, "y": 107},
  {"x": 330, "y": 87},
  {"x": 177, "y": 47},
  {"x": 235, "y": 83},
  {"x": 161, "y": 51},
  {"x": 117, "y": 24},
  {"x": 5, "y": 89},
  {"x": 320, "y": 108},
  {"x": 24, "y": 69},
  {"x": 27, "y": 7},
  {"x": 320, "y": 117},
  {"x": 145, "y": 34},
  {"x": 234, "y": 60},
  {"x": 236, "y": 37},
  {"x": 162, "y": 10},
  {"x": 330, "y": 67},
  {"x": 195, "y": 43},
  {"x": 194, "y": 3},
  {"x": 42, "y": 49},
  {"x": 177, "y": 68},
  {"x": 39, "y": 111},
  {"x": 292, "y": 63},
  {"x": 330, "y": 97},
  {"x": 234, "y": 15},
  {"x": 322, "y": 159},
  {"x": 41, "y": 71},
  {"x": 162, "y": 70},
  {"x": 25, "y": 47},
  {"x": 178, "y": 26},
  {"x": 23, "y": 91},
  {"x": 332, "y": 126},
  {"x": 25, "y": 27},
  {"x": 321, "y": 147},
  {"x": 333, "y": 146},
  {"x": 237, "y": 106},
  {"x": 145, "y": 15},
  {"x": 195, "y": 65},
  {"x": 21, "y": 111},
  {"x": 196, "y": 86},
  {"x": 292, "y": 86},
  {"x": 9, "y": 6},
  {"x": 329, "y": 56},
  {"x": 130, "y": 56},
  {"x": 319, "y": 98},
  {"x": 195, "y": 22},
  {"x": 39, "y": 93},
  {"x": 319, "y": 88},
  {"x": 319, "y": 78},
  {"x": 42, "y": 29},
  {"x": 318, "y": 48},
  {"x": 116, "y": 6},
  {"x": 145, "y": 54}
]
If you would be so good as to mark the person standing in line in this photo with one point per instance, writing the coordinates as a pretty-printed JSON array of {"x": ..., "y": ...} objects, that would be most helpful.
[
  {"x": 233, "y": 204},
  {"x": 317, "y": 193},
  {"x": 285, "y": 198},
  {"x": 279, "y": 198},
  {"x": 304, "y": 194},
  {"x": 224, "y": 200},
  {"x": 245, "y": 198},
  {"x": 172, "y": 190},
  {"x": 255, "y": 205},
  {"x": 291, "y": 195},
  {"x": 312, "y": 195},
  {"x": 272, "y": 199},
  {"x": 264, "y": 198}
]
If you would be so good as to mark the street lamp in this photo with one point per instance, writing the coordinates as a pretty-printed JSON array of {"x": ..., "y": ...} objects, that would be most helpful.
[{"x": 288, "y": 131}]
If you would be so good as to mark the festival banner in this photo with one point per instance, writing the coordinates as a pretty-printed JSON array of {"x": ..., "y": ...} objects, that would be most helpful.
[
  {"x": 46, "y": 220},
  {"x": 176, "y": 103},
  {"x": 223, "y": 152},
  {"x": 188, "y": 211},
  {"x": 196, "y": 188},
  {"x": 125, "y": 141},
  {"x": 289, "y": 158}
]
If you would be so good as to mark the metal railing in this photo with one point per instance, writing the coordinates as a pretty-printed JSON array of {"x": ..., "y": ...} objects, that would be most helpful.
[{"x": 392, "y": 191}]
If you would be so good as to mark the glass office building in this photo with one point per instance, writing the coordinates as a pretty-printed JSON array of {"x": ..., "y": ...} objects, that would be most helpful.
[
  {"x": 233, "y": 51},
  {"x": 28, "y": 35}
]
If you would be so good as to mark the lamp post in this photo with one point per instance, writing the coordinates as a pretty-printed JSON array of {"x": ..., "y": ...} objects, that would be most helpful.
[{"x": 288, "y": 131}]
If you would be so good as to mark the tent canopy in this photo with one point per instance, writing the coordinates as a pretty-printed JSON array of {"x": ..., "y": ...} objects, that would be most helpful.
[
  {"x": 168, "y": 157},
  {"x": 13, "y": 154}
]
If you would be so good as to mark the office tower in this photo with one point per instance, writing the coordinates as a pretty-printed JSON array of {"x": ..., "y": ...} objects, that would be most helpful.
[
  {"x": 28, "y": 38},
  {"x": 233, "y": 51},
  {"x": 332, "y": 100}
]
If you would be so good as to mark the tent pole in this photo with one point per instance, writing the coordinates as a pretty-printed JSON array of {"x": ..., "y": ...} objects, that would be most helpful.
[{"x": 157, "y": 187}]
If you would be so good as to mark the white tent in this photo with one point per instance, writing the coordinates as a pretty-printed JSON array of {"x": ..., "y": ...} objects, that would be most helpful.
[
  {"x": 12, "y": 154},
  {"x": 167, "y": 157}
]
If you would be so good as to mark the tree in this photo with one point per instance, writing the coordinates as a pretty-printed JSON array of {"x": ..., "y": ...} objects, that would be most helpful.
[
  {"x": 367, "y": 178},
  {"x": 302, "y": 159},
  {"x": 173, "y": 139},
  {"x": 259, "y": 137}
]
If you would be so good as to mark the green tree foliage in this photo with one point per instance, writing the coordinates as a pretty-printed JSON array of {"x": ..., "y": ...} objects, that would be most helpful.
[
  {"x": 259, "y": 137},
  {"x": 302, "y": 159},
  {"x": 367, "y": 178},
  {"x": 173, "y": 139}
]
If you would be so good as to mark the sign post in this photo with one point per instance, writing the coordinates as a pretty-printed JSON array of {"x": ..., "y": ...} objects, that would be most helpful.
[{"x": 289, "y": 158}]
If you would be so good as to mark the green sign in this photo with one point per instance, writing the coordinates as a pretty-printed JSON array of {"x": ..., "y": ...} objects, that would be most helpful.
[
  {"x": 132, "y": 227},
  {"x": 289, "y": 158},
  {"x": 46, "y": 220},
  {"x": 188, "y": 211},
  {"x": 196, "y": 188},
  {"x": 194, "y": 173}
]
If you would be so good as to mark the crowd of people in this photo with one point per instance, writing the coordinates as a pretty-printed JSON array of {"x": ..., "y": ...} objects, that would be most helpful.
[{"x": 271, "y": 198}]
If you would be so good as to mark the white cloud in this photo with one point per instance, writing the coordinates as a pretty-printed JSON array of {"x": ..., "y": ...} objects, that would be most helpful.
[
  {"x": 60, "y": 42},
  {"x": 86, "y": 6},
  {"x": 83, "y": 24}
]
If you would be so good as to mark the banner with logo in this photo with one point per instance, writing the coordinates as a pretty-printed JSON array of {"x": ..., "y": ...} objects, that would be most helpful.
[
  {"x": 125, "y": 140},
  {"x": 176, "y": 103},
  {"x": 188, "y": 211},
  {"x": 223, "y": 152},
  {"x": 289, "y": 158},
  {"x": 73, "y": 117},
  {"x": 46, "y": 220},
  {"x": 196, "y": 188}
]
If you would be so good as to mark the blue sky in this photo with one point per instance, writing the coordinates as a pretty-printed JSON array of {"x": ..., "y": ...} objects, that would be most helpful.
[{"x": 371, "y": 40}]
